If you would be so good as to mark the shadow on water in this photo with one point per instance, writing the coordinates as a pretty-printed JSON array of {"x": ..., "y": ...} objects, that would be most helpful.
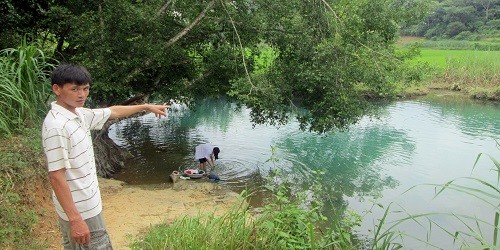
[
  {"x": 472, "y": 117},
  {"x": 351, "y": 163}
]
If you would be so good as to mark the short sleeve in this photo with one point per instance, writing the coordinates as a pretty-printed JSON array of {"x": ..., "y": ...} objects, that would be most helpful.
[
  {"x": 56, "y": 144},
  {"x": 96, "y": 118}
]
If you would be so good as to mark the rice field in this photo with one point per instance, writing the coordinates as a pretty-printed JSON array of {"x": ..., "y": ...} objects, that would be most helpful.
[
  {"x": 469, "y": 70},
  {"x": 473, "y": 59},
  {"x": 471, "y": 66}
]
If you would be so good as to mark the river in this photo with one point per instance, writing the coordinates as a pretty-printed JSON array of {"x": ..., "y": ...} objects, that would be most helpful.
[{"x": 387, "y": 159}]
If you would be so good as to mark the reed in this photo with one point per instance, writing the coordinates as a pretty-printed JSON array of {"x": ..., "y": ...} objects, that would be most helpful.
[
  {"x": 474, "y": 232},
  {"x": 462, "y": 45},
  {"x": 477, "y": 73},
  {"x": 472, "y": 69},
  {"x": 23, "y": 87}
]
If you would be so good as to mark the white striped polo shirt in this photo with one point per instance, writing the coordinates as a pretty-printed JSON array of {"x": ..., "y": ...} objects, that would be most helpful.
[{"x": 67, "y": 144}]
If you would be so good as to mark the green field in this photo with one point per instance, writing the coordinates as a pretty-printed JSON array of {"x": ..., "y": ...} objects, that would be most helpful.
[
  {"x": 472, "y": 59},
  {"x": 476, "y": 72}
]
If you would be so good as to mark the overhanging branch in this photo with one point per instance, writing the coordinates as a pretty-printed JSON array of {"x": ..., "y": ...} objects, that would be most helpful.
[
  {"x": 174, "y": 39},
  {"x": 195, "y": 22}
]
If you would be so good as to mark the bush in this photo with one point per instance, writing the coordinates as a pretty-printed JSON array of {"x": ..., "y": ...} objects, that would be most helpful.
[
  {"x": 464, "y": 35},
  {"x": 455, "y": 28}
]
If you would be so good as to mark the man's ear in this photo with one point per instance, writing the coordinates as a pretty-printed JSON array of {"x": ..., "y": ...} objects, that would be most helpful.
[{"x": 56, "y": 89}]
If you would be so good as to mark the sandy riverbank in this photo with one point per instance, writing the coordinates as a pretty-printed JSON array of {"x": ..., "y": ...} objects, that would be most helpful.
[{"x": 130, "y": 210}]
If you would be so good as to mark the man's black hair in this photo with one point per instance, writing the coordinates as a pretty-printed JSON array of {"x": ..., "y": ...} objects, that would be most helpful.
[{"x": 69, "y": 73}]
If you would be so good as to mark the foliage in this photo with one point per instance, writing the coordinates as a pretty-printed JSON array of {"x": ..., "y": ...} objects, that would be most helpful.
[
  {"x": 323, "y": 55},
  {"x": 18, "y": 160},
  {"x": 473, "y": 236},
  {"x": 459, "y": 19},
  {"x": 20, "y": 18},
  {"x": 24, "y": 87},
  {"x": 130, "y": 56},
  {"x": 323, "y": 51}
]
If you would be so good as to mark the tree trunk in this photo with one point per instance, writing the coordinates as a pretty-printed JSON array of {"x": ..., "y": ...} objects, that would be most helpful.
[{"x": 109, "y": 158}]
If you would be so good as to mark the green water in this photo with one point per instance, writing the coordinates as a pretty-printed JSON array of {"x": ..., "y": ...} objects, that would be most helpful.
[{"x": 433, "y": 139}]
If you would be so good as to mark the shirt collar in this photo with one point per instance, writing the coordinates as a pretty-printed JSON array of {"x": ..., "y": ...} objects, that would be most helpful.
[{"x": 66, "y": 113}]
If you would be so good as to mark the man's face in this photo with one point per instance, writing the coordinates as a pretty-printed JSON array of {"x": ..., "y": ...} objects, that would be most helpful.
[{"x": 71, "y": 95}]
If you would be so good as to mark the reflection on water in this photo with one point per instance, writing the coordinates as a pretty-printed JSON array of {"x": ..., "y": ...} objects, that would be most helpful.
[{"x": 429, "y": 140}]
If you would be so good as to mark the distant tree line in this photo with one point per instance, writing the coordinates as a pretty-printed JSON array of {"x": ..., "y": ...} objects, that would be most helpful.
[{"x": 459, "y": 19}]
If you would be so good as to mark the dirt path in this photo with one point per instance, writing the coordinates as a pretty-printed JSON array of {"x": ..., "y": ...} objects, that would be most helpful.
[{"x": 130, "y": 210}]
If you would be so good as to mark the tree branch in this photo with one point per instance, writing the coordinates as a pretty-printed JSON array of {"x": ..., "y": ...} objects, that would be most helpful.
[
  {"x": 174, "y": 39},
  {"x": 163, "y": 8},
  {"x": 191, "y": 25}
]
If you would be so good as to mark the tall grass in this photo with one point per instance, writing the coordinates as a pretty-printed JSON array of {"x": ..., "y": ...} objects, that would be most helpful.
[
  {"x": 484, "y": 66},
  {"x": 473, "y": 68},
  {"x": 283, "y": 224},
  {"x": 230, "y": 231},
  {"x": 461, "y": 45},
  {"x": 475, "y": 72},
  {"x": 23, "y": 87},
  {"x": 474, "y": 233}
]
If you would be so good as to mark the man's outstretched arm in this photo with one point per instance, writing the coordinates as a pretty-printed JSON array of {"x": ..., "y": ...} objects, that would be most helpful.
[{"x": 124, "y": 111}]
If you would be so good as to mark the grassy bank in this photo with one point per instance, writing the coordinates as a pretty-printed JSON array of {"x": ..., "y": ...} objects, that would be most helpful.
[
  {"x": 24, "y": 191},
  {"x": 24, "y": 188},
  {"x": 477, "y": 73},
  {"x": 281, "y": 224}
]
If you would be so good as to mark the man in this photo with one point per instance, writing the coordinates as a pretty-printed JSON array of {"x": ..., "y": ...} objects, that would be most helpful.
[
  {"x": 71, "y": 164},
  {"x": 206, "y": 153}
]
